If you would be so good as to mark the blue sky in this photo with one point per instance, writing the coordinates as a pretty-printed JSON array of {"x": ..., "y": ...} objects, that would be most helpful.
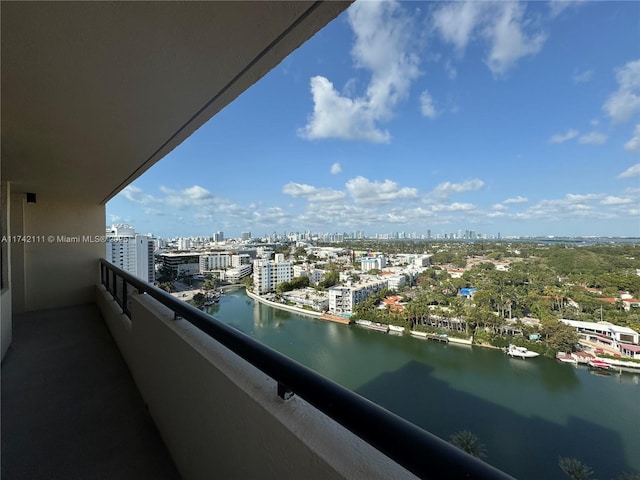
[{"x": 499, "y": 117}]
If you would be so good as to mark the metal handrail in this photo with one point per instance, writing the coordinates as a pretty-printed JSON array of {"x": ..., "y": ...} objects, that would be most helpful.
[{"x": 417, "y": 450}]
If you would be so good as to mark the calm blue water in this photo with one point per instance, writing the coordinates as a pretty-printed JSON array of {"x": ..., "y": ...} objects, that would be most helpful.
[{"x": 527, "y": 413}]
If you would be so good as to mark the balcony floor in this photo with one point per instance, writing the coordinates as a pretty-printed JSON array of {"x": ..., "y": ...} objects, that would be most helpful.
[{"x": 70, "y": 408}]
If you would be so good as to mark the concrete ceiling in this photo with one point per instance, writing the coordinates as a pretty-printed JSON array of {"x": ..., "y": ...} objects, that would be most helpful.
[{"x": 94, "y": 93}]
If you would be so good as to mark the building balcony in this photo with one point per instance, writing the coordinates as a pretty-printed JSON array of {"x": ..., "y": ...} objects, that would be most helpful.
[
  {"x": 103, "y": 375},
  {"x": 139, "y": 384}
]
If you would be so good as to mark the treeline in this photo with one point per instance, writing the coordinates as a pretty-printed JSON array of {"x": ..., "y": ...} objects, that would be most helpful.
[{"x": 543, "y": 282}]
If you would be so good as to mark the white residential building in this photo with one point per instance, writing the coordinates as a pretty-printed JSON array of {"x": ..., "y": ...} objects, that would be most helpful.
[
  {"x": 342, "y": 298},
  {"x": 238, "y": 273},
  {"x": 214, "y": 261},
  {"x": 309, "y": 297},
  {"x": 240, "y": 259},
  {"x": 422, "y": 261},
  {"x": 267, "y": 274},
  {"x": 184, "y": 244},
  {"x": 131, "y": 252},
  {"x": 315, "y": 275},
  {"x": 377, "y": 263},
  {"x": 395, "y": 282},
  {"x": 605, "y": 329}
]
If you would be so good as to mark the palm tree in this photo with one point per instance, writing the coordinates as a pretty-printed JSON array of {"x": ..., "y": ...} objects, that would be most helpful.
[
  {"x": 468, "y": 442},
  {"x": 574, "y": 468}
]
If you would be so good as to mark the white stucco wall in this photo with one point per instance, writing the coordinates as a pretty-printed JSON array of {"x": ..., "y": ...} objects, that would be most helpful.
[
  {"x": 58, "y": 273},
  {"x": 220, "y": 417}
]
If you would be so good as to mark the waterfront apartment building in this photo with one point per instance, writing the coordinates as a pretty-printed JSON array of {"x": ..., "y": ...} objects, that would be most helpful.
[
  {"x": 268, "y": 274},
  {"x": 342, "y": 298},
  {"x": 235, "y": 274},
  {"x": 131, "y": 251},
  {"x": 214, "y": 261}
]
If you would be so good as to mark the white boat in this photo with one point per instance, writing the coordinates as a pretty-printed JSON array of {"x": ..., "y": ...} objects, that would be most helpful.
[
  {"x": 565, "y": 358},
  {"x": 520, "y": 352},
  {"x": 597, "y": 363}
]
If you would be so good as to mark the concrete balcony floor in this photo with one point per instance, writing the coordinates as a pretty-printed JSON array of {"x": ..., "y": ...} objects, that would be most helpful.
[{"x": 70, "y": 408}]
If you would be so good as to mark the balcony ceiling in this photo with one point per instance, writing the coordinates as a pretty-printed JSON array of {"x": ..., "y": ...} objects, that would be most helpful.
[{"x": 94, "y": 93}]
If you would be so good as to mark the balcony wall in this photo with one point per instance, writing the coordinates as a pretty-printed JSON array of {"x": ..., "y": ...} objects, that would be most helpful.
[
  {"x": 57, "y": 266},
  {"x": 219, "y": 416},
  {"x": 5, "y": 290}
]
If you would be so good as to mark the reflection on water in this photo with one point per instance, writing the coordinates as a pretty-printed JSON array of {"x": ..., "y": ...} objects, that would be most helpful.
[{"x": 527, "y": 412}]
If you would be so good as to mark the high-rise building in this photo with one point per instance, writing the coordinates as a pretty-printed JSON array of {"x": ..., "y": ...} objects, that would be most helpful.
[
  {"x": 130, "y": 251},
  {"x": 245, "y": 236},
  {"x": 218, "y": 236}
]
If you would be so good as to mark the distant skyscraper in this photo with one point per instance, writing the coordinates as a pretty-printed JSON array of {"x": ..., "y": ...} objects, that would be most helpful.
[
  {"x": 245, "y": 236},
  {"x": 218, "y": 236}
]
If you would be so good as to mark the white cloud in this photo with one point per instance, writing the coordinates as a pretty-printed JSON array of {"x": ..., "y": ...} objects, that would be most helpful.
[
  {"x": 135, "y": 194},
  {"x": 337, "y": 116},
  {"x": 501, "y": 24},
  {"x": 593, "y": 138},
  {"x": 366, "y": 192},
  {"x": 313, "y": 194},
  {"x": 335, "y": 168},
  {"x": 518, "y": 199},
  {"x": 509, "y": 42},
  {"x": 589, "y": 207},
  {"x": 633, "y": 145},
  {"x": 498, "y": 207},
  {"x": 453, "y": 207},
  {"x": 451, "y": 71},
  {"x": 456, "y": 22},
  {"x": 611, "y": 200},
  {"x": 383, "y": 46},
  {"x": 561, "y": 138},
  {"x": 426, "y": 105},
  {"x": 631, "y": 172},
  {"x": 556, "y": 7},
  {"x": 447, "y": 188},
  {"x": 624, "y": 103},
  {"x": 194, "y": 196},
  {"x": 582, "y": 77}
]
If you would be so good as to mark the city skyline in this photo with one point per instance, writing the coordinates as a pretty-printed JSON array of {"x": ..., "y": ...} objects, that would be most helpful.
[{"x": 510, "y": 118}]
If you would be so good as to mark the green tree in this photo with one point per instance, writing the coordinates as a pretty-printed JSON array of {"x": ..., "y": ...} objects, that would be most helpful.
[
  {"x": 198, "y": 299},
  {"x": 574, "y": 468},
  {"x": 330, "y": 279},
  {"x": 210, "y": 284},
  {"x": 166, "y": 286},
  {"x": 559, "y": 336},
  {"x": 468, "y": 442}
]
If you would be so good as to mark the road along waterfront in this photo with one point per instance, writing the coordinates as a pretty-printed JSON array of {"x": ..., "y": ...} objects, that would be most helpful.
[{"x": 527, "y": 412}]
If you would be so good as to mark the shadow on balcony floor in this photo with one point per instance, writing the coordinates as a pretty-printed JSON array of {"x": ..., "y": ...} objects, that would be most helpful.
[{"x": 70, "y": 408}]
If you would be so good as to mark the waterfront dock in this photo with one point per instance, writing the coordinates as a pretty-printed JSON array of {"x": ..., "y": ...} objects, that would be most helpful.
[
  {"x": 430, "y": 336},
  {"x": 335, "y": 318}
]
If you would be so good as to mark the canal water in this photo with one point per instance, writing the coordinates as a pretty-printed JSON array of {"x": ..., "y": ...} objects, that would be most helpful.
[{"x": 527, "y": 413}]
